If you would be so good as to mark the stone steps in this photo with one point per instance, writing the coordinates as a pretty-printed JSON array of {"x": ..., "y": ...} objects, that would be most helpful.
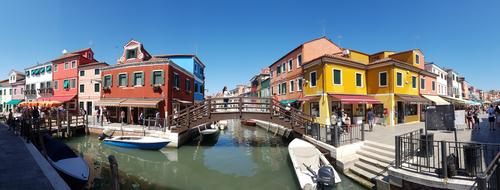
[
  {"x": 374, "y": 156},
  {"x": 377, "y": 151},
  {"x": 367, "y": 183}
]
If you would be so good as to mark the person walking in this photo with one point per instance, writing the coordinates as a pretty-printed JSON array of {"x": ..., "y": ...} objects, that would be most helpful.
[
  {"x": 468, "y": 116},
  {"x": 497, "y": 113},
  {"x": 371, "y": 118},
  {"x": 476, "y": 125},
  {"x": 225, "y": 94},
  {"x": 122, "y": 117},
  {"x": 491, "y": 117}
]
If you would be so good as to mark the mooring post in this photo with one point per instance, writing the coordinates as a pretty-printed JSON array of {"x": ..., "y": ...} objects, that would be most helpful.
[
  {"x": 113, "y": 165},
  {"x": 444, "y": 159},
  {"x": 68, "y": 122}
]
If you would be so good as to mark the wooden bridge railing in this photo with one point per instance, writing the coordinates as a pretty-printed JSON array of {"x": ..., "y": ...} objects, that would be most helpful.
[{"x": 242, "y": 106}]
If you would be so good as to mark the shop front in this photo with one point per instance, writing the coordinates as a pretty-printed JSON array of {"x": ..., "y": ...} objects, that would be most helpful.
[
  {"x": 408, "y": 108},
  {"x": 355, "y": 106},
  {"x": 112, "y": 109}
]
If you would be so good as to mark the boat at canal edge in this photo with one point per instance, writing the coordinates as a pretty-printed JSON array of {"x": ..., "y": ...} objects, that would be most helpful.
[
  {"x": 312, "y": 169},
  {"x": 139, "y": 142},
  {"x": 210, "y": 133},
  {"x": 249, "y": 122},
  {"x": 72, "y": 167}
]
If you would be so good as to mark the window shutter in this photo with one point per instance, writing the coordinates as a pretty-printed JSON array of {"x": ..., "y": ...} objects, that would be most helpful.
[
  {"x": 143, "y": 78},
  {"x": 152, "y": 79},
  {"x": 110, "y": 80},
  {"x": 126, "y": 80},
  {"x": 162, "y": 79}
]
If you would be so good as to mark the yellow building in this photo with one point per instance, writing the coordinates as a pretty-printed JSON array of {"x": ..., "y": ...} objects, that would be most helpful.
[{"x": 337, "y": 82}]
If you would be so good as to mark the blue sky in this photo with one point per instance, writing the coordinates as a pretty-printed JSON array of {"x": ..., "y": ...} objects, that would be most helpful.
[{"x": 235, "y": 39}]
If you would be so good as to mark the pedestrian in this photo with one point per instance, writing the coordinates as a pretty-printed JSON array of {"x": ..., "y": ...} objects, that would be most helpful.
[
  {"x": 10, "y": 120},
  {"x": 497, "y": 113},
  {"x": 98, "y": 114},
  {"x": 468, "y": 116},
  {"x": 225, "y": 94},
  {"x": 157, "y": 119},
  {"x": 491, "y": 117},
  {"x": 476, "y": 119},
  {"x": 122, "y": 116},
  {"x": 141, "y": 118},
  {"x": 371, "y": 118}
]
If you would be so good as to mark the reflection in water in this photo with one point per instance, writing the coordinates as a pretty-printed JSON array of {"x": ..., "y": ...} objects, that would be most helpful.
[{"x": 243, "y": 157}]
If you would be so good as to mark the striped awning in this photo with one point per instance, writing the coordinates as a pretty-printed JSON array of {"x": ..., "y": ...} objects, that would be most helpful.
[
  {"x": 141, "y": 103},
  {"x": 436, "y": 99}
]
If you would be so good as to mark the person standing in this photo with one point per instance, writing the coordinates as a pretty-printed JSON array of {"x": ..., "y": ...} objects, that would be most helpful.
[
  {"x": 122, "y": 116},
  {"x": 468, "y": 116},
  {"x": 225, "y": 94},
  {"x": 491, "y": 117},
  {"x": 98, "y": 114},
  {"x": 371, "y": 118},
  {"x": 476, "y": 119}
]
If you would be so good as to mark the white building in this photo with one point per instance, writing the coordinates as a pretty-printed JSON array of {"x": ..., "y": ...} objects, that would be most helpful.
[
  {"x": 38, "y": 81},
  {"x": 454, "y": 85},
  {"x": 5, "y": 97},
  {"x": 441, "y": 79}
]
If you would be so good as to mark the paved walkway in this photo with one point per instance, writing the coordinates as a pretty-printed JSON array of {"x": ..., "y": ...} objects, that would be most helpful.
[
  {"x": 18, "y": 168},
  {"x": 386, "y": 134}
]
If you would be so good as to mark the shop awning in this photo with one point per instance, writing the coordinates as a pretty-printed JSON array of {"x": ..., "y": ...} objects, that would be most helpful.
[
  {"x": 14, "y": 102},
  {"x": 61, "y": 99},
  {"x": 309, "y": 98},
  {"x": 453, "y": 100},
  {"x": 412, "y": 98},
  {"x": 183, "y": 101},
  {"x": 110, "y": 102},
  {"x": 355, "y": 99},
  {"x": 142, "y": 103},
  {"x": 436, "y": 99},
  {"x": 474, "y": 103}
]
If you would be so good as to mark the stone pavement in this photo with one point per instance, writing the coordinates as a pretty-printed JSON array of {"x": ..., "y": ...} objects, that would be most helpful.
[
  {"x": 386, "y": 134},
  {"x": 18, "y": 168}
]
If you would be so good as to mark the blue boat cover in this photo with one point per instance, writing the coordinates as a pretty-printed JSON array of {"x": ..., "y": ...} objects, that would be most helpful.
[{"x": 57, "y": 150}]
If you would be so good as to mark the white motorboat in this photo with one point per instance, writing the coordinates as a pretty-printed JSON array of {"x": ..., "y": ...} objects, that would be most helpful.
[
  {"x": 72, "y": 167},
  {"x": 312, "y": 169},
  {"x": 140, "y": 142}
]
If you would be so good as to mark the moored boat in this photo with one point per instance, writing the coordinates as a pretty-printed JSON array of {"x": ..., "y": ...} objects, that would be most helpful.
[
  {"x": 139, "y": 142},
  {"x": 72, "y": 167},
  {"x": 312, "y": 169},
  {"x": 249, "y": 122}
]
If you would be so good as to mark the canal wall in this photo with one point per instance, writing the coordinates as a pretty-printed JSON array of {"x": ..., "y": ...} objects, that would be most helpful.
[{"x": 274, "y": 128}]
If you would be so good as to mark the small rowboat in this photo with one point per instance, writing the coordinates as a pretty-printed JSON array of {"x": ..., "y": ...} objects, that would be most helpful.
[
  {"x": 249, "y": 122},
  {"x": 312, "y": 169},
  {"x": 139, "y": 142}
]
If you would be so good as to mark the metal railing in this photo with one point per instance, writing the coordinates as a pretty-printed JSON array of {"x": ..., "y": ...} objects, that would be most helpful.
[
  {"x": 336, "y": 135},
  {"x": 416, "y": 152},
  {"x": 490, "y": 178}
]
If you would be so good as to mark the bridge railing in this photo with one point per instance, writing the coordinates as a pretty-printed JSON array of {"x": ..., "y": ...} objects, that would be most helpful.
[{"x": 490, "y": 178}]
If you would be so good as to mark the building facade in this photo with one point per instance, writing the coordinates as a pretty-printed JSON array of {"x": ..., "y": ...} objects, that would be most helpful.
[
  {"x": 65, "y": 77},
  {"x": 4, "y": 95},
  {"x": 17, "y": 81},
  {"x": 194, "y": 65},
  {"x": 454, "y": 85},
  {"x": 441, "y": 79},
  {"x": 141, "y": 83},
  {"x": 286, "y": 73},
  {"x": 38, "y": 81},
  {"x": 258, "y": 88},
  {"x": 89, "y": 89}
]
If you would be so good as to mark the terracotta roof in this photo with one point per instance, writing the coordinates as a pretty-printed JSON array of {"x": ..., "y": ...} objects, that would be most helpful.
[
  {"x": 322, "y": 37},
  {"x": 67, "y": 55}
]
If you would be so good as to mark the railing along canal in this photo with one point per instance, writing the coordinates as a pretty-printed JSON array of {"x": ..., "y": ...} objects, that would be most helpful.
[
  {"x": 336, "y": 135},
  {"x": 444, "y": 159},
  {"x": 490, "y": 178}
]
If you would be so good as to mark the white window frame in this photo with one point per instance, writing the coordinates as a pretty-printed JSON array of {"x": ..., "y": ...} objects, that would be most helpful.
[
  {"x": 71, "y": 82},
  {"x": 283, "y": 67},
  {"x": 290, "y": 65},
  {"x": 73, "y": 62},
  {"x": 417, "y": 58},
  {"x": 298, "y": 64},
  {"x": 292, "y": 86},
  {"x": 386, "y": 79},
  {"x": 315, "y": 78},
  {"x": 396, "y": 79},
  {"x": 355, "y": 78},
  {"x": 126, "y": 77},
  {"x": 104, "y": 79},
  {"x": 333, "y": 77},
  {"x": 299, "y": 87},
  {"x": 142, "y": 82},
  {"x": 285, "y": 85}
]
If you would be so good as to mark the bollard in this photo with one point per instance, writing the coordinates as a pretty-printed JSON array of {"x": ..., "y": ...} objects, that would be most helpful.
[
  {"x": 398, "y": 151},
  {"x": 113, "y": 165},
  {"x": 444, "y": 160}
]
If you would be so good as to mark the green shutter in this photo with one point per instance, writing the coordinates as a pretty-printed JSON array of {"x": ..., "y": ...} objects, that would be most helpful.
[
  {"x": 143, "y": 78},
  {"x": 48, "y": 68},
  {"x": 126, "y": 80},
  {"x": 162, "y": 79},
  {"x": 152, "y": 78}
]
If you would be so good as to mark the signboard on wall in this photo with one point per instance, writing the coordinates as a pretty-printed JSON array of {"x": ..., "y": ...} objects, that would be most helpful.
[{"x": 460, "y": 118}]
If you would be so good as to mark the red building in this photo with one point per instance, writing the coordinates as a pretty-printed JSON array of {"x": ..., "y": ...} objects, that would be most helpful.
[
  {"x": 65, "y": 77},
  {"x": 141, "y": 83}
]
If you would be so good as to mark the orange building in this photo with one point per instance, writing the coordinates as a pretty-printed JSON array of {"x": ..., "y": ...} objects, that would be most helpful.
[{"x": 286, "y": 73}]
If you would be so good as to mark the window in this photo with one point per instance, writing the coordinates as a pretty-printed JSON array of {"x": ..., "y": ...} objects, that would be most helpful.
[
  {"x": 66, "y": 84},
  {"x": 97, "y": 71},
  {"x": 132, "y": 53},
  {"x": 279, "y": 88},
  {"x": 42, "y": 85},
  {"x": 49, "y": 84},
  {"x": 188, "y": 85},
  {"x": 299, "y": 86},
  {"x": 399, "y": 79},
  {"x": 278, "y": 70},
  {"x": 292, "y": 86},
  {"x": 10, "y": 91},
  {"x": 15, "y": 91},
  {"x": 290, "y": 63},
  {"x": 433, "y": 85},
  {"x": 73, "y": 64},
  {"x": 177, "y": 82},
  {"x": 314, "y": 109},
  {"x": 56, "y": 85},
  {"x": 73, "y": 83},
  {"x": 312, "y": 78},
  {"x": 122, "y": 80},
  {"x": 196, "y": 87},
  {"x": 422, "y": 83},
  {"x": 413, "y": 81},
  {"x": 96, "y": 87},
  {"x": 202, "y": 89},
  {"x": 108, "y": 81},
  {"x": 81, "y": 104},
  {"x": 411, "y": 109},
  {"x": 283, "y": 68},
  {"x": 66, "y": 66},
  {"x": 283, "y": 87},
  {"x": 82, "y": 73},
  {"x": 382, "y": 79},
  {"x": 359, "y": 80},
  {"x": 299, "y": 60},
  {"x": 138, "y": 79},
  {"x": 82, "y": 88},
  {"x": 417, "y": 59},
  {"x": 55, "y": 68},
  {"x": 337, "y": 76}
]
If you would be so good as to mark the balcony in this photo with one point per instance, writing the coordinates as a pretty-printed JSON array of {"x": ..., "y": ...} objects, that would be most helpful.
[
  {"x": 46, "y": 91},
  {"x": 30, "y": 92}
]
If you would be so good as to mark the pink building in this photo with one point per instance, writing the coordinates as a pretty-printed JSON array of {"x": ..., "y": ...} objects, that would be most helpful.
[{"x": 89, "y": 89}]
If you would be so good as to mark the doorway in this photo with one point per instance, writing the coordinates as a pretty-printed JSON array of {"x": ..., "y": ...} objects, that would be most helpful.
[
  {"x": 89, "y": 108},
  {"x": 401, "y": 112}
]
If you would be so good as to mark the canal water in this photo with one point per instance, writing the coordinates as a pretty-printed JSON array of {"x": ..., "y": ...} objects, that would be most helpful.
[{"x": 243, "y": 157}]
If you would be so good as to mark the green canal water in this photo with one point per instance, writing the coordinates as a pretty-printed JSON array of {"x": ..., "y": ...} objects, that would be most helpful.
[{"x": 243, "y": 157}]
